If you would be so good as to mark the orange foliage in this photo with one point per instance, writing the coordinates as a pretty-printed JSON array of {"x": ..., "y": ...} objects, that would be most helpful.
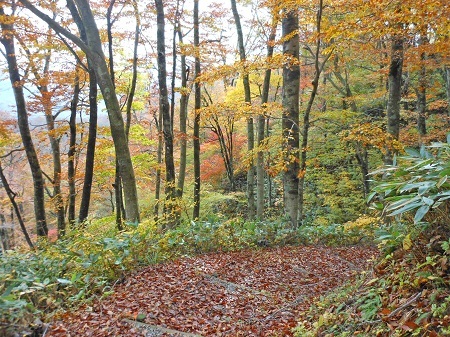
[{"x": 212, "y": 169}]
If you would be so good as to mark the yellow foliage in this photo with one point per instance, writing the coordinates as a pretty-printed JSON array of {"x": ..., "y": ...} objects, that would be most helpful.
[
  {"x": 368, "y": 134},
  {"x": 362, "y": 222}
]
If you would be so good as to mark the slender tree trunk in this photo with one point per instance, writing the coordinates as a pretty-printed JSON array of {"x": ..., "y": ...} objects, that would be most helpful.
[
  {"x": 158, "y": 122},
  {"x": 250, "y": 127},
  {"x": 260, "y": 173},
  {"x": 12, "y": 196},
  {"x": 363, "y": 161},
  {"x": 395, "y": 86},
  {"x": 97, "y": 57},
  {"x": 290, "y": 119},
  {"x": 184, "y": 99},
  {"x": 7, "y": 39},
  {"x": 318, "y": 68},
  {"x": 57, "y": 170},
  {"x": 171, "y": 209},
  {"x": 90, "y": 152},
  {"x": 268, "y": 161},
  {"x": 56, "y": 152},
  {"x": 132, "y": 90},
  {"x": 72, "y": 149},
  {"x": 118, "y": 198},
  {"x": 46, "y": 101},
  {"x": 120, "y": 215},
  {"x": 92, "y": 137},
  {"x": 421, "y": 91},
  {"x": 197, "y": 105}
]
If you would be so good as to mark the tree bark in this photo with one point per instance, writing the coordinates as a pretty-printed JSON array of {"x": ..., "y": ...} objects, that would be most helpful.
[
  {"x": 290, "y": 118},
  {"x": 114, "y": 112},
  {"x": 171, "y": 211},
  {"x": 184, "y": 99},
  {"x": 72, "y": 149},
  {"x": 395, "y": 86},
  {"x": 250, "y": 127},
  {"x": 421, "y": 91},
  {"x": 197, "y": 105},
  {"x": 158, "y": 122},
  {"x": 7, "y": 39},
  {"x": 118, "y": 190},
  {"x": 260, "y": 172},
  {"x": 90, "y": 151},
  {"x": 132, "y": 90},
  {"x": 92, "y": 137}
]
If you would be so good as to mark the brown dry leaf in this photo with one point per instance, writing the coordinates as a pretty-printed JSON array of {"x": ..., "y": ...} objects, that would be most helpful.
[{"x": 245, "y": 293}]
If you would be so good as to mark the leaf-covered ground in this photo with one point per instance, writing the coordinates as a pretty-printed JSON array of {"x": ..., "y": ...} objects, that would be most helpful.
[{"x": 245, "y": 293}]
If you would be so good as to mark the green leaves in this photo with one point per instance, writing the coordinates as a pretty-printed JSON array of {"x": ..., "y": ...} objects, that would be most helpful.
[{"x": 418, "y": 184}]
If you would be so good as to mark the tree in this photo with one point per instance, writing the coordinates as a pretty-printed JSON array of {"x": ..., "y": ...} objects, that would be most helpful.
[
  {"x": 92, "y": 137},
  {"x": 170, "y": 188},
  {"x": 46, "y": 101},
  {"x": 197, "y": 106},
  {"x": 261, "y": 121},
  {"x": 290, "y": 118},
  {"x": 395, "y": 92},
  {"x": 93, "y": 50},
  {"x": 7, "y": 39},
  {"x": 247, "y": 99},
  {"x": 318, "y": 68},
  {"x": 72, "y": 148}
]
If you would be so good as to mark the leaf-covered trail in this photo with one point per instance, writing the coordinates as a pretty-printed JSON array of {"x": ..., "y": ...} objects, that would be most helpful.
[{"x": 246, "y": 293}]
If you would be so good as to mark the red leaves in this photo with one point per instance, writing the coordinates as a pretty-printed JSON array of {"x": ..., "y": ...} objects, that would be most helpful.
[{"x": 246, "y": 293}]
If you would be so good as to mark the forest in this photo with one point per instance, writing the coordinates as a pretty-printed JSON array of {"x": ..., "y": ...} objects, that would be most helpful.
[{"x": 242, "y": 168}]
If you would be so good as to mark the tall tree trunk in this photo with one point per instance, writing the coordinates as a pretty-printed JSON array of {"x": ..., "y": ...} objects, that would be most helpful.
[
  {"x": 90, "y": 152},
  {"x": 197, "y": 105},
  {"x": 171, "y": 209},
  {"x": 395, "y": 86},
  {"x": 132, "y": 90},
  {"x": 120, "y": 215},
  {"x": 94, "y": 52},
  {"x": 250, "y": 128},
  {"x": 260, "y": 173},
  {"x": 46, "y": 101},
  {"x": 290, "y": 118},
  {"x": 93, "y": 109},
  {"x": 72, "y": 149},
  {"x": 7, "y": 39},
  {"x": 114, "y": 112},
  {"x": 12, "y": 196},
  {"x": 421, "y": 90},
  {"x": 184, "y": 99},
  {"x": 318, "y": 68},
  {"x": 158, "y": 122},
  {"x": 55, "y": 146}
]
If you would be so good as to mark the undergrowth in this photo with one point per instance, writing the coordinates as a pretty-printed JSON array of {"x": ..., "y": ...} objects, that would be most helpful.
[
  {"x": 406, "y": 294},
  {"x": 87, "y": 262},
  {"x": 408, "y": 291}
]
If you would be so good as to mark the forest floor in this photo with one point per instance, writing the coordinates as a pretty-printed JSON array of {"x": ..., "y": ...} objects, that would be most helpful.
[{"x": 246, "y": 293}]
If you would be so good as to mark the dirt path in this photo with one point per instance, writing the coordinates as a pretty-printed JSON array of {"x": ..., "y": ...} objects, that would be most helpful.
[{"x": 247, "y": 293}]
